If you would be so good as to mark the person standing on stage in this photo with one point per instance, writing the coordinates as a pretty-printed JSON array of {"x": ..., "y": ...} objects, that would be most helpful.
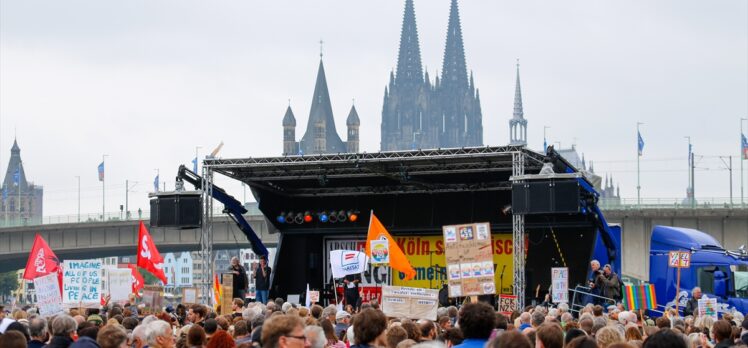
[
  {"x": 350, "y": 282},
  {"x": 262, "y": 280},
  {"x": 240, "y": 278}
]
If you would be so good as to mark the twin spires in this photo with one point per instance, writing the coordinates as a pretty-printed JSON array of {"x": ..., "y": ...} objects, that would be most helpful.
[
  {"x": 454, "y": 68},
  {"x": 409, "y": 70}
]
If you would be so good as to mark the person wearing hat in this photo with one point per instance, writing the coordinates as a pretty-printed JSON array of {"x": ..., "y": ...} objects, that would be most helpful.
[
  {"x": 342, "y": 321},
  {"x": 95, "y": 319}
]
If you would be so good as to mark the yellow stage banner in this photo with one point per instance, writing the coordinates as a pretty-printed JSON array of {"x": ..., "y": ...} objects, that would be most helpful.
[{"x": 426, "y": 254}]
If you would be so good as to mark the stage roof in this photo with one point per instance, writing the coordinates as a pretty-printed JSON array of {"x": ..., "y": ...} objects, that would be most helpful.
[{"x": 393, "y": 172}]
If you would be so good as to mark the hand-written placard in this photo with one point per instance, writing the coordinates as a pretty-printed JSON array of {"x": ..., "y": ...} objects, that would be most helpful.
[
  {"x": 119, "y": 284},
  {"x": 560, "y": 284},
  {"x": 81, "y": 281},
  {"x": 189, "y": 295},
  {"x": 507, "y": 304},
  {"x": 153, "y": 298},
  {"x": 313, "y": 296},
  {"x": 708, "y": 307},
  {"x": 413, "y": 303},
  {"x": 48, "y": 295},
  {"x": 469, "y": 257}
]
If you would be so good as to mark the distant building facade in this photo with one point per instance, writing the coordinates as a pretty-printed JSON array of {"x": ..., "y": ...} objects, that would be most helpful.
[
  {"x": 320, "y": 136},
  {"x": 22, "y": 202},
  {"x": 419, "y": 113}
]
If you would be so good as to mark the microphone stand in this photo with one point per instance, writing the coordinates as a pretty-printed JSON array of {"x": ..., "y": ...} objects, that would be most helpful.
[{"x": 501, "y": 280}]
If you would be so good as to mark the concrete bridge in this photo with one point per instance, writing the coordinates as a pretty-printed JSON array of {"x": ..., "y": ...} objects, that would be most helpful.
[
  {"x": 729, "y": 226},
  {"x": 100, "y": 239}
]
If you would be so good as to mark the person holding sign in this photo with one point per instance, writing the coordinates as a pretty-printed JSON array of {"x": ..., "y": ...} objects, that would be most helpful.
[{"x": 352, "y": 297}]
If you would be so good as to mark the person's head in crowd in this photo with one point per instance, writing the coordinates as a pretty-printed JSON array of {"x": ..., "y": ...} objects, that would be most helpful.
[
  {"x": 369, "y": 327},
  {"x": 608, "y": 335},
  {"x": 586, "y": 324},
  {"x": 197, "y": 313},
  {"x": 279, "y": 302},
  {"x": 221, "y": 339},
  {"x": 286, "y": 306},
  {"x": 721, "y": 330},
  {"x": 427, "y": 330},
  {"x": 139, "y": 339},
  {"x": 572, "y": 334},
  {"x": 452, "y": 312},
  {"x": 477, "y": 320},
  {"x": 64, "y": 326},
  {"x": 663, "y": 323},
  {"x": 452, "y": 337},
  {"x": 597, "y": 310},
  {"x": 12, "y": 339},
  {"x": 444, "y": 322},
  {"x": 257, "y": 322},
  {"x": 79, "y": 319},
  {"x": 129, "y": 323},
  {"x": 283, "y": 331},
  {"x": 112, "y": 336},
  {"x": 316, "y": 311},
  {"x": 549, "y": 335},
  {"x": 223, "y": 323},
  {"x": 510, "y": 339},
  {"x": 525, "y": 318},
  {"x": 241, "y": 329},
  {"x": 501, "y": 321},
  {"x": 395, "y": 335},
  {"x": 412, "y": 329},
  {"x": 665, "y": 338},
  {"x": 272, "y": 307},
  {"x": 159, "y": 335},
  {"x": 315, "y": 336},
  {"x": 196, "y": 336},
  {"x": 38, "y": 329},
  {"x": 329, "y": 312},
  {"x": 17, "y": 326},
  {"x": 303, "y": 312},
  {"x": 406, "y": 343},
  {"x": 210, "y": 326},
  {"x": 343, "y": 317},
  {"x": 329, "y": 331},
  {"x": 633, "y": 334},
  {"x": 537, "y": 319}
]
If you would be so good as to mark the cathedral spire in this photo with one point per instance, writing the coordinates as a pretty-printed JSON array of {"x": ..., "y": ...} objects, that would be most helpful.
[
  {"x": 454, "y": 69},
  {"x": 518, "y": 113},
  {"x": 321, "y": 135},
  {"x": 409, "y": 70}
]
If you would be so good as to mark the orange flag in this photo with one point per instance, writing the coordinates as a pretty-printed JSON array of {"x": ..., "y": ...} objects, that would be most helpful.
[{"x": 398, "y": 260}]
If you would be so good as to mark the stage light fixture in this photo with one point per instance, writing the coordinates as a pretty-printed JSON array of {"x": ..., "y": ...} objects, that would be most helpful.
[
  {"x": 307, "y": 216},
  {"x": 333, "y": 216},
  {"x": 342, "y": 216},
  {"x": 323, "y": 217},
  {"x": 281, "y": 218},
  {"x": 299, "y": 218},
  {"x": 352, "y": 215}
]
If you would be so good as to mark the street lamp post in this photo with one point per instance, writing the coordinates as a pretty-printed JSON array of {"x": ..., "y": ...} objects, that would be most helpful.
[
  {"x": 103, "y": 189},
  {"x": 742, "y": 157},
  {"x": 689, "y": 189}
]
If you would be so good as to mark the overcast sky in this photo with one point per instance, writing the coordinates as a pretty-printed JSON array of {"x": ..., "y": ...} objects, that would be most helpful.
[{"x": 146, "y": 81}]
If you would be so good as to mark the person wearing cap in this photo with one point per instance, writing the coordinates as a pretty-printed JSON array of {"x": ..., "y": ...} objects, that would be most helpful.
[
  {"x": 342, "y": 321},
  {"x": 95, "y": 319}
]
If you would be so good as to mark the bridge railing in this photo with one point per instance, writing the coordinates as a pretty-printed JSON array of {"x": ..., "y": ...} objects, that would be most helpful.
[{"x": 672, "y": 203}]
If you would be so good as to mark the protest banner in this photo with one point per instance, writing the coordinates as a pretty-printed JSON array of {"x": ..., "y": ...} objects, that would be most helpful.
[
  {"x": 189, "y": 296},
  {"x": 559, "y": 284},
  {"x": 227, "y": 297},
  {"x": 119, "y": 284},
  {"x": 413, "y": 303},
  {"x": 678, "y": 260},
  {"x": 314, "y": 296},
  {"x": 153, "y": 299},
  {"x": 81, "y": 282},
  {"x": 639, "y": 297},
  {"x": 469, "y": 256},
  {"x": 708, "y": 307},
  {"x": 507, "y": 304},
  {"x": 48, "y": 297}
]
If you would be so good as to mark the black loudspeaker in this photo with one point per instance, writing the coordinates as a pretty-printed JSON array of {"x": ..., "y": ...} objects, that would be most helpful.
[
  {"x": 176, "y": 209},
  {"x": 548, "y": 196}
]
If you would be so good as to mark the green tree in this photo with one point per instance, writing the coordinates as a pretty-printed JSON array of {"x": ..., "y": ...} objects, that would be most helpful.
[
  {"x": 8, "y": 283},
  {"x": 149, "y": 278}
]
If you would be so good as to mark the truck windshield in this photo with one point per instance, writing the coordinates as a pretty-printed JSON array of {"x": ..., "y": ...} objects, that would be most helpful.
[{"x": 741, "y": 281}]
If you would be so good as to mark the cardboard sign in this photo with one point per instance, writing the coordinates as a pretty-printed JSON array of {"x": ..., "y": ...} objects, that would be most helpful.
[
  {"x": 81, "y": 282},
  {"x": 559, "y": 284},
  {"x": 380, "y": 251},
  {"x": 679, "y": 259},
  {"x": 708, "y": 307},
  {"x": 189, "y": 296},
  {"x": 227, "y": 292},
  {"x": 48, "y": 295},
  {"x": 119, "y": 284},
  {"x": 227, "y": 279},
  {"x": 313, "y": 296},
  {"x": 469, "y": 256},
  {"x": 412, "y": 303},
  {"x": 153, "y": 298},
  {"x": 507, "y": 304}
]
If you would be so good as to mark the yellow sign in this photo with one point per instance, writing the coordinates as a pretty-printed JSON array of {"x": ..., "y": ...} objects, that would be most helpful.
[{"x": 426, "y": 255}]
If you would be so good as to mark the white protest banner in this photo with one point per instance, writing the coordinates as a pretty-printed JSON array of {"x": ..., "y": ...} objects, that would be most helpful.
[
  {"x": 560, "y": 284},
  {"x": 413, "y": 303},
  {"x": 119, "y": 284},
  {"x": 189, "y": 295},
  {"x": 708, "y": 307},
  {"x": 81, "y": 282},
  {"x": 314, "y": 296},
  {"x": 48, "y": 295},
  {"x": 345, "y": 262},
  {"x": 507, "y": 304}
]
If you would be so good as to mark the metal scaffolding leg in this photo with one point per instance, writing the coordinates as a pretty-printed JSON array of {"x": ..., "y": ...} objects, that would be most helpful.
[
  {"x": 518, "y": 238},
  {"x": 206, "y": 237}
]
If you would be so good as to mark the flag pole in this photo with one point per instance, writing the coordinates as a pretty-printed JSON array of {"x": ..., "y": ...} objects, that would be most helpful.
[
  {"x": 638, "y": 172},
  {"x": 742, "y": 157}
]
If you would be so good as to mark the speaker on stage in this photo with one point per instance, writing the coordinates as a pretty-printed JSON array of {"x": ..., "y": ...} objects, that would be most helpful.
[
  {"x": 176, "y": 209},
  {"x": 547, "y": 196}
]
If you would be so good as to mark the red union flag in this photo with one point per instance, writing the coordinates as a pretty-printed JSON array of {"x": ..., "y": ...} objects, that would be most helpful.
[
  {"x": 42, "y": 260},
  {"x": 137, "y": 278},
  {"x": 148, "y": 256}
]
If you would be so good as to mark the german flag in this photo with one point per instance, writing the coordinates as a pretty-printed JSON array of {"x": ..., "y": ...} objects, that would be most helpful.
[{"x": 636, "y": 297}]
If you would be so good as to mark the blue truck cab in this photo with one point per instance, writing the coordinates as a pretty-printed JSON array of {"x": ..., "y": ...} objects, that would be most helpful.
[{"x": 719, "y": 273}]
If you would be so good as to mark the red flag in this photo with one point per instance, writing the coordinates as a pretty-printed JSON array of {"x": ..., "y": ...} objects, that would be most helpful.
[
  {"x": 42, "y": 260},
  {"x": 148, "y": 256},
  {"x": 137, "y": 278}
]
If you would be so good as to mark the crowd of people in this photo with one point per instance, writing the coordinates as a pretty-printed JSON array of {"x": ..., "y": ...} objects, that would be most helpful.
[{"x": 279, "y": 324}]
